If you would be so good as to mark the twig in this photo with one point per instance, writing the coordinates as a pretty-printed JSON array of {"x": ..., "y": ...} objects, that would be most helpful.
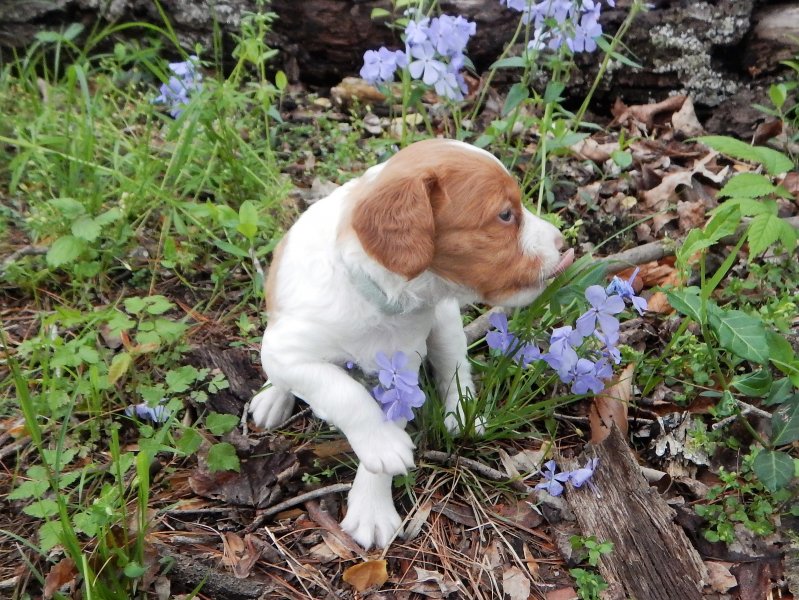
[
  {"x": 281, "y": 506},
  {"x": 478, "y": 467},
  {"x": 323, "y": 519},
  {"x": 745, "y": 410},
  {"x": 586, "y": 420},
  {"x": 24, "y": 251},
  {"x": 15, "y": 447},
  {"x": 615, "y": 263}
]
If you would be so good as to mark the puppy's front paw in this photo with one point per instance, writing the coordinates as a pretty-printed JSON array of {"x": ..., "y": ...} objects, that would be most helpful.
[
  {"x": 383, "y": 449},
  {"x": 271, "y": 407},
  {"x": 371, "y": 518}
]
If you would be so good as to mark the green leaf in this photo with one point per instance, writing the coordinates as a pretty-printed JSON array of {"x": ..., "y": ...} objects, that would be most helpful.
[
  {"x": 511, "y": 62},
  {"x": 179, "y": 380},
  {"x": 787, "y": 235},
  {"x": 134, "y": 305},
  {"x": 189, "y": 442},
  {"x": 779, "y": 392},
  {"x": 134, "y": 570},
  {"x": 35, "y": 487},
  {"x": 69, "y": 208},
  {"x": 741, "y": 334},
  {"x": 158, "y": 305},
  {"x": 724, "y": 222},
  {"x": 687, "y": 302},
  {"x": 231, "y": 249},
  {"x": 785, "y": 423},
  {"x": 773, "y": 161},
  {"x": 281, "y": 81},
  {"x": 754, "y": 385},
  {"x": 41, "y": 508},
  {"x": 622, "y": 158},
  {"x": 222, "y": 457},
  {"x": 86, "y": 229},
  {"x": 220, "y": 424},
  {"x": 517, "y": 94},
  {"x": 773, "y": 468},
  {"x": 747, "y": 185},
  {"x": 778, "y": 94},
  {"x": 749, "y": 207},
  {"x": 72, "y": 31},
  {"x": 763, "y": 231},
  {"x": 50, "y": 535},
  {"x": 695, "y": 241},
  {"x": 379, "y": 13},
  {"x": 64, "y": 250},
  {"x": 553, "y": 91},
  {"x": 119, "y": 366},
  {"x": 248, "y": 220}
]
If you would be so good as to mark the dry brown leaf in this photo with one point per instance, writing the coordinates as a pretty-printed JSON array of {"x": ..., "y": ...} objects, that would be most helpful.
[
  {"x": 562, "y": 594},
  {"x": 661, "y": 196},
  {"x": 61, "y": 573},
  {"x": 531, "y": 562},
  {"x": 642, "y": 116},
  {"x": 685, "y": 122},
  {"x": 510, "y": 468},
  {"x": 443, "y": 587},
  {"x": 611, "y": 406},
  {"x": 590, "y": 149},
  {"x": 719, "y": 577},
  {"x": 239, "y": 554},
  {"x": 658, "y": 302},
  {"x": 766, "y": 131},
  {"x": 366, "y": 575},
  {"x": 791, "y": 183},
  {"x": 515, "y": 584},
  {"x": 692, "y": 215},
  {"x": 417, "y": 520},
  {"x": 355, "y": 88}
]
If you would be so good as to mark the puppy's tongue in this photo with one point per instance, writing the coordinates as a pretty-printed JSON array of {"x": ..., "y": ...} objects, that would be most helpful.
[{"x": 565, "y": 262}]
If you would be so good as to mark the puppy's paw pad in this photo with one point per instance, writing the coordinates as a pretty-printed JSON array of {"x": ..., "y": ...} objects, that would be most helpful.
[
  {"x": 385, "y": 449},
  {"x": 271, "y": 407},
  {"x": 372, "y": 526}
]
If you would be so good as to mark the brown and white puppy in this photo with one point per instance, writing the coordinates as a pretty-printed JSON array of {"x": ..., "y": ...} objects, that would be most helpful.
[{"x": 383, "y": 265}]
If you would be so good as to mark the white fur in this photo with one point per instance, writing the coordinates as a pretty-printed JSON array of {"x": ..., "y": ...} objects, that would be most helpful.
[{"x": 322, "y": 321}]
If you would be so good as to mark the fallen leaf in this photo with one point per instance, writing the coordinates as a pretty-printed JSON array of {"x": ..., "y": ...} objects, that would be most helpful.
[
  {"x": 239, "y": 554},
  {"x": 515, "y": 584},
  {"x": 355, "y": 88},
  {"x": 336, "y": 546},
  {"x": 417, "y": 520},
  {"x": 562, "y": 594},
  {"x": 443, "y": 585},
  {"x": 61, "y": 573},
  {"x": 642, "y": 116},
  {"x": 719, "y": 577},
  {"x": 765, "y": 131},
  {"x": 611, "y": 406},
  {"x": 590, "y": 149},
  {"x": 531, "y": 562},
  {"x": 692, "y": 215},
  {"x": 521, "y": 513},
  {"x": 685, "y": 122},
  {"x": 366, "y": 575}
]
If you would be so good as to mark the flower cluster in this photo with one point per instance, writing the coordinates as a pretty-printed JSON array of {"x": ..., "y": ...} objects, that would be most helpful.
[
  {"x": 143, "y": 411},
  {"x": 434, "y": 53},
  {"x": 553, "y": 481},
  {"x": 399, "y": 390},
  {"x": 184, "y": 81},
  {"x": 555, "y": 22},
  {"x": 594, "y": 335}
]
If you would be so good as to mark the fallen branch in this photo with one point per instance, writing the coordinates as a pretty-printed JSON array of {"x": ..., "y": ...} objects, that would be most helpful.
[
  {"x": 615, "y": 262},
  {"x": 24, "y": 251},
  {"x": 291, "y": 502}
]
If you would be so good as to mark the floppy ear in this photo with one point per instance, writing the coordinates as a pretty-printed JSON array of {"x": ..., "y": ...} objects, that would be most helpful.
[{"x": 394, "y": 223}]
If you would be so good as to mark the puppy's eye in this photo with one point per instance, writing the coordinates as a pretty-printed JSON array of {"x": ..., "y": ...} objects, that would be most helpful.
[{"x": 506, "y": 216}]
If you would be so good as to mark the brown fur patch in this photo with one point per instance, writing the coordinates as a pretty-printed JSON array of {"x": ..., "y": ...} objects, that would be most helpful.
[
  {"x": 271, "y": 277},
  {"x": 436, "y": 206}
]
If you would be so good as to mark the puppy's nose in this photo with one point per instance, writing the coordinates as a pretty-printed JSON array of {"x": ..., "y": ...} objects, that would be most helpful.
[{"x": 559, "y": 241}]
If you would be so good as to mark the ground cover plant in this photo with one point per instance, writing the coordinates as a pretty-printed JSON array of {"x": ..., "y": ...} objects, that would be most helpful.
[{"x": 141, "y": 201}]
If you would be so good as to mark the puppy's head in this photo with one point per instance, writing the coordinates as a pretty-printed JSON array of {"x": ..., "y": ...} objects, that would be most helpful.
[{"x": 453, "y": 209}]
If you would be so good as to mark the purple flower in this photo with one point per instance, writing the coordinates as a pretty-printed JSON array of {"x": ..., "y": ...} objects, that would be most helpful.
[
  {"x": 391, "y": 371},
  {"x": 398, "y": 401},
  {"x": 185, "y": 80},
  {"x": 501, "y": 339},
  {"x": 585, "y": 32},
  {"x": 416, "y": 33},
  {"x": 583, "y": 377},
  {"x": 625, "y": 290},
  {"x": 609, "y": 348},
  {"x": 449, "y": 35},
  {"x": 579, "y": 476},
  {"x": 603, "y": 369},
  {"x": 426, "y": 66},
  {"x": 155, "y": 414},
  {"x": 602, "y": 311},
  {"x": 553, "y": 482},
  {"x": 379, "y": 66},
  {"x": 399, "y": 390}
]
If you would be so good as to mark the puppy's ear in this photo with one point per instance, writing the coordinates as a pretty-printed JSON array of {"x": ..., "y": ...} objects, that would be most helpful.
[{"x": 394, "y": 222}]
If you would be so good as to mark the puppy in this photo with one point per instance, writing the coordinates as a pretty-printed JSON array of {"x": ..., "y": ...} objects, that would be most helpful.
[{"x": 382, "y": 265}]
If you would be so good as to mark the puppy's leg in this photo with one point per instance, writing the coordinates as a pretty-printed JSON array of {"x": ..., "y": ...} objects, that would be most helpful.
[
  {"x": 382, "y": 446},
  {"x": 371, "y": 517},
  {"x": 446, "y": 351},
  {"x": 271, "y": 406}
]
